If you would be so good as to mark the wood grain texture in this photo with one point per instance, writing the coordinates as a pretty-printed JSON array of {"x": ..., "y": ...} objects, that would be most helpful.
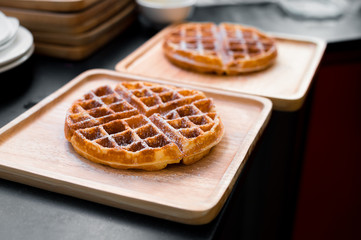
[
  {"x": 69, "y": 23},
  {"x": 108, "y": 28},
  {"x": 80, "y": 46},
  {"x": 34, "y": 151},
  {"x": 286, "y": 82},
  {"x": 50, "y": 5}
]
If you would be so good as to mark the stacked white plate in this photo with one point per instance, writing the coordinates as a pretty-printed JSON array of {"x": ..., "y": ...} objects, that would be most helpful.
[{"x": 16, "y": 43}]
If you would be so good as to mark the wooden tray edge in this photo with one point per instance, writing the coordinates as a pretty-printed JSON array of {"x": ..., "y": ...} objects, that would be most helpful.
[
  {"x": 82, "y": 51},
  {"x": 188, "y": 216},
  {"x": 72, "y": 40},
  {"x": 67, "y": 23},
  {"x": 50, "y": 6},
  {"x": 296, "y": 101}
]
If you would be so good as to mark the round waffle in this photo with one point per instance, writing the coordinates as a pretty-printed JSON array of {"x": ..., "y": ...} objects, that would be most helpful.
[
  {"x": 139, "y": 125},
  {"x": 228, "y": 48}
]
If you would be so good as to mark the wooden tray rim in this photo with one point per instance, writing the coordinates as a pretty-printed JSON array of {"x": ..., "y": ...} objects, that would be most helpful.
[
  {"x": 68, "y": 22},
  {"x": 284, "y": 103},
  {"x": 194, "y": 216},
  {"x": 80, "y": 50},
  {"x": 86, "y": 38},
  {"x": 50, "y": 5}
]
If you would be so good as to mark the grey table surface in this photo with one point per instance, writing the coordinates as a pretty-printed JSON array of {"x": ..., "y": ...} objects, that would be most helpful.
[{"x": 31, "y": 213}]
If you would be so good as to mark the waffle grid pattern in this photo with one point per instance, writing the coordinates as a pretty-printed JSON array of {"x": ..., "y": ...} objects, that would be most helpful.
[
  {"x": 106, "y": 118},
  {"x": 199, "y": 38},
  {"x": 243, "y": 43},
  {"x": 99, "y": 107},
  {"x": 149, "y": 99},
  {"x": 207, "y": 45},
  {"x": 131, "y": 134},
  {"x": 235, "y": 42},
  {"x": 190, "y": 121}
]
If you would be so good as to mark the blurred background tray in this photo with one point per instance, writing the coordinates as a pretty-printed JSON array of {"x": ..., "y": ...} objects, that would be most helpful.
[
  {"x": 50, "y": 5},
  {"x": 286, "y": 83},
  {"x": 114, "y": 25},
  {"x": 69, "y": 22},
  {"x": 74, "y": 35},
  {"x": 80, "y": 46}
]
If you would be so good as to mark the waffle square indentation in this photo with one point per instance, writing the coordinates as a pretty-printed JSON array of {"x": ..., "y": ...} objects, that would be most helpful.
[
  {"x": 159, "y": 89},
  {"x": 125, "y": 138},
  {"x": 121, "y": 106},
  {"x": 146, "y": 131},
  {"x": 105, "y": 142},
  {"x": 131, "y": 86},
  {"x": 150, "y": 101},
  {"x": 104, "y": 90},
  {"x": 157, "y": 141},
  {"x": 75, "y": 118},
  {"x": 169, "y": 96},
  {"x": 199, "y": 120},
  {"x": 190, "y": 133},
  {"x": 135, "y": 147},
  {"x": 179, "y": 123},
  {"x": 142, "y": 93},
  {"x": 136, "y": 121},
  {"x": 113, "y": 127},
  {"x": 90, "y": 104},
  {"x": 204, "y": 105},
  {"x": 187, "y": 110},
  {"x": 109, "y": 99},
  {"x": 92, "y": 133},
  {"x": 99, "y": 112},
  {"x": 186, "y": 92}
]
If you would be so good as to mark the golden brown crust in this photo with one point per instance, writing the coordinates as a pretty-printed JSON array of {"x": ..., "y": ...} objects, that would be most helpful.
[
  {"x": 228, "y": 48},
  {"x": 143, "y": 126}
]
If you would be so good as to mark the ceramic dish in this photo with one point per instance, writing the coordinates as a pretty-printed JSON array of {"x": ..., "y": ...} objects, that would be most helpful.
[
  {"x": 8, "y": 29},
  {"x": 165, "y": 12},
  {"x": 18, "y": 61},
  {"x": 21, "y": 44}
]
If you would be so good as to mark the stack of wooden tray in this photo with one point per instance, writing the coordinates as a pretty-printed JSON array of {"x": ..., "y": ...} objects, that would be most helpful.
[{"x": 71, "y": 29}]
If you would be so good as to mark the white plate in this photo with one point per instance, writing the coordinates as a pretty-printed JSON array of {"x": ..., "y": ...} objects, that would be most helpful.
[
  {"x": 8, "y": 28},
  {"x": 4, "y": 28},
  {"x": 18, "y": 61},
  {"x": 20, "y": 45},
  {"x": 14, "y": 22}
]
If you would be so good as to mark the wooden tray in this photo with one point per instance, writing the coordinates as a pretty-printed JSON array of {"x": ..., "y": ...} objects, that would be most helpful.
[
  {"x": 285, "y": 83},
  {"x": 117, "y": 22},
  {"x": 70, "y": 23},
  {"x": 82, "y": 45},
  {"x": 50, "y": 5},
  {"x": 34, "y": 151}
]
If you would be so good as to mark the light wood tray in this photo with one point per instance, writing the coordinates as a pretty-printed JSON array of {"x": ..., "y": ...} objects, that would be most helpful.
[
  {"x": 70, "y": 23},
  {"x": 34, "y": 151},
  {"x": 50, "y": 5},
  {"x": 285, "y": 83},
  {"x": 80, "y": 46}
]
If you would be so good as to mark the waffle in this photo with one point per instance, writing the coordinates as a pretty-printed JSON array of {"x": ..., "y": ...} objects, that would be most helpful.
[
  {"x": 226, "y": 49},
  {"x": 139, "y": 125}
]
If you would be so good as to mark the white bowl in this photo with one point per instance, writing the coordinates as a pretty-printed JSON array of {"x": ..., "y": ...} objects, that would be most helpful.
[{"x": 166, "y": 11}]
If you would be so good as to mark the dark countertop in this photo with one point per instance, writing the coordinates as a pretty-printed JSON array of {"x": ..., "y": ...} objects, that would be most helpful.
[{"x": 31, "y": 213}]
